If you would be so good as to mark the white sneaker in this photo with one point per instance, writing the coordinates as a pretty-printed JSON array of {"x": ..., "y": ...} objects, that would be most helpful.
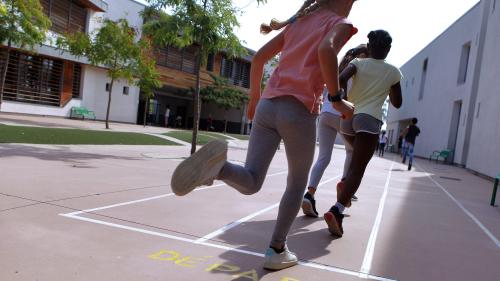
[
  {"x": 275, "y": 261},
  {"x": 201, "y": 168}
]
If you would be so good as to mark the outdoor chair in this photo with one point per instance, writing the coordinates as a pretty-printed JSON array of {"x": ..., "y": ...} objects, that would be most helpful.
[{"x": 444, "y": 154}]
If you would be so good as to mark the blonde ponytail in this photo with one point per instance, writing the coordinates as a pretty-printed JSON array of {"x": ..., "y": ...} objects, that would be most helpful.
[{"x": 307, "y": 8}]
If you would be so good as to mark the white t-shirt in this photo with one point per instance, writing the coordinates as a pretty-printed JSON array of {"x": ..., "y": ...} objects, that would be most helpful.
[
  {"x": 167, "y": 112},
  {"x": 383, "y": 139},
  {"x": 327, "y": 105}
]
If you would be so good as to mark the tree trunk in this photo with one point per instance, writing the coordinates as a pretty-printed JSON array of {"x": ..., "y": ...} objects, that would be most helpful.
[
  {"x": 146, "y": 110},
  {"x": 225, "y": 121},
  {"x": 109, "y": 102},
  {"x": 196, "y": 97},
  {"x": 197, "y": 106},
  {"x": 4, "y": 73}
]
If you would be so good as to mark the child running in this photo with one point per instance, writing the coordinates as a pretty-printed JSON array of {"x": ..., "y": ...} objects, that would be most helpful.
[
  {"x": 373, "y": 79},
  {"x": 328, "y": 127},
  {"x": 410, "y": 134},
  {"x": 287, "y": 109}
]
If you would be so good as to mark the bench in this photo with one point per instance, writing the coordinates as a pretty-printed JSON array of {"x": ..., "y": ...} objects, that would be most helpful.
[
  {"x": 81, "y": 112},
  {"x": 495, "y": 187},
  {"x": 444, "y": 154},
  {"x": 391, "y": 148}
]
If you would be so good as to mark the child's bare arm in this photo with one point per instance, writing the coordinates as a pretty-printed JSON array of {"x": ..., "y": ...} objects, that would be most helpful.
[
  {"x": 327, "y": 52},
  {"x": 395, "y": 95},
  {"x": 264, "y": 54},
  {"x": 348, "y": 72}
]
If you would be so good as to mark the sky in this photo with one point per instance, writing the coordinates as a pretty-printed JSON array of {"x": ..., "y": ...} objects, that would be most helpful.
[{"x": 412, "y": 24}]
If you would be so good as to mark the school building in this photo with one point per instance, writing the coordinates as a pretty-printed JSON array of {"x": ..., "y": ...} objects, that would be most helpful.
[
  {"x": 51, "y": 82},
  {"x": 452, "y": 86}
]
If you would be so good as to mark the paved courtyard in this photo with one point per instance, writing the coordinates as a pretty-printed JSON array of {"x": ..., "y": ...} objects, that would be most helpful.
[{"x": 107, "y": 213}]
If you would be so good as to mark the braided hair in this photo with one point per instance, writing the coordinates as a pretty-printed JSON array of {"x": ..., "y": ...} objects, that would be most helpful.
[
  {"x": 379, "y": 43},
  {"x": 307, "y": 8}
]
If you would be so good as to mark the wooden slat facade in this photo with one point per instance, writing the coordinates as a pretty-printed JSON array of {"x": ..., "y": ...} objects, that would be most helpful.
[
  {"x": 67, "y": 16},
  {"x": 171, "y": 64},
  {"x": 38, "y": 79}
]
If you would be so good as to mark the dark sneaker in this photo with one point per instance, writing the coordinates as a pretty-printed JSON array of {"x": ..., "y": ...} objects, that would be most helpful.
[
  {"x": 333, "y": 219},
  {"x": 409, "y": 167},
  {"x": 309, "y": 206},
  {"x": 340, "y": 189},
  {"x": 354, "y": 198}
]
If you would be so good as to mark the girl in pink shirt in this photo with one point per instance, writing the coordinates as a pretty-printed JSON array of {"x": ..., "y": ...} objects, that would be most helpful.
[{"x": 286, "y": 110}]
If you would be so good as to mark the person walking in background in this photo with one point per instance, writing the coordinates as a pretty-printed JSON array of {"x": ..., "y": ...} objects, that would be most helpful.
[
  {"x": 167, "y": 115},
  {"x": 178, "y": 121},
  {"x": 400, "y": 144},
  {"x": 328, "y": 128},
  {"x": 410, "y": 135},
  {"x": 286, "y": 110},
  {"x": 381, "y": 144}
]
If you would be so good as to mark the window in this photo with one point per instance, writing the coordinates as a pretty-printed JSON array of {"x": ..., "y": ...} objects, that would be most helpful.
[
  {"x": 422, "y": 81},
  {"x": 65, "y": 15},
  {"x": 464, "y": 63},
  {"x": 175, "y": 58},
  {"x": 238, "y": 71},
  {"x": 210, "y": 62},
  {"x": 33, "y": 79},
  {"x": 125, "y": 90},
  {"x": 77, "y": 77}
]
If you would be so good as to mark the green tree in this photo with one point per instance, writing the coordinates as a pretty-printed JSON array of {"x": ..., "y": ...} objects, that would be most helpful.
[
  {"x": 148, "y": 76},
  {"x": 115, "y": 47},
  {"x": 223, "y": 95},
  {"x": 22, "y": 24},
  {"x": 268, "y": 71},
  {"x": 207, "y": 24}
]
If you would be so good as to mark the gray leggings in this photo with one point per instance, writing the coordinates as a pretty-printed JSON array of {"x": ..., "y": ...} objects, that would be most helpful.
[
  {"x": 328, "y": 127},
  {"x": 275, "y": 119}
]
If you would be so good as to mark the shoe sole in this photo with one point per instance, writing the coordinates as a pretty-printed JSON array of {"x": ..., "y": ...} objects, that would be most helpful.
[
  {"x": 199, "y": 168},
  {"x": 308, "y": 209},
  {"x": 279, "y": 266},
  {"x": 333, "y": 226}
]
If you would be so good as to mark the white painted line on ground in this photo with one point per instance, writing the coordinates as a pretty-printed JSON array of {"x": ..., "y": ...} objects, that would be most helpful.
[
  {"x": 140, "y": 230},
  {"x": 75, "y": 215},
  {"x": 227, "y": 248},
  {"x": 467, "y": 212},
  {"x": 154, "y": 198},
  {"x": 177, "y": 141},
  {"x": 370, "y": 248},
  {"x": 233, "y": 224}
]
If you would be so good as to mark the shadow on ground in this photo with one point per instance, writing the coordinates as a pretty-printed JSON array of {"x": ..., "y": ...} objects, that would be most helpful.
[
  {"x": 55, "y": 153},
  {"x": 254, "y": 236}
]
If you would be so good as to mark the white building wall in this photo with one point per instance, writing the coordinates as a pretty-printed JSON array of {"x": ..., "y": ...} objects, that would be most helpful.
[
  {"x": 441, "y": 89},
  {"x": 95, "y": 96},
  {"x": 26, "y": 108},
  {"x": 118, "y": 9},
  {"x": 124, "y": 108},
  {"x": 484, "y": 150}
]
